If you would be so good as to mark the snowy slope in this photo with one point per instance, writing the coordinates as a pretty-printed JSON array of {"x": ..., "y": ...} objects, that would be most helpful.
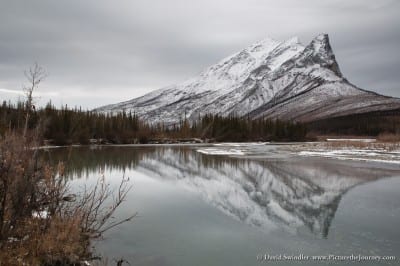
[{"x": 268, "y": 79}]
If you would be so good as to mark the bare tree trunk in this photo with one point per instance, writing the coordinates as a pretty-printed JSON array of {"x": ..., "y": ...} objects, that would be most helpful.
[{"x": 35, "y": 76}]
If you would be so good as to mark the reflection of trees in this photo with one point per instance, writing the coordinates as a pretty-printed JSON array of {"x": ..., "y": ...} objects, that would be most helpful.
[
  {"x": 287, "y": 193},
  {"x": 83, "y": 161}
]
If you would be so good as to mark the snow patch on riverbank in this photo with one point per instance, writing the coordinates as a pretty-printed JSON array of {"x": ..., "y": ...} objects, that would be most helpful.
[{"x": 356, "y": 154}]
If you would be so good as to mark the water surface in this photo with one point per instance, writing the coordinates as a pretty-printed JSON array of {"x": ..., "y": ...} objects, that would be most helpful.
[{"x": 199, "y": 208}]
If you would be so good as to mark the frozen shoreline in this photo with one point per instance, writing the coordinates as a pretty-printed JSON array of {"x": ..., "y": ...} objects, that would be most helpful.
[
  {"x": 388, "y": 153},
  {"x": 367, "y": 152}
]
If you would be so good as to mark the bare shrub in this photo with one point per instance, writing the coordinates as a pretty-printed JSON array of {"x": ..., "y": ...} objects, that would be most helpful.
[{"x": 41, "y": 223}]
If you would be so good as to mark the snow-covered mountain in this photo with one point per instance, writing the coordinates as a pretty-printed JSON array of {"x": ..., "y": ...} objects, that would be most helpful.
[{"x": 273, "y": 79}]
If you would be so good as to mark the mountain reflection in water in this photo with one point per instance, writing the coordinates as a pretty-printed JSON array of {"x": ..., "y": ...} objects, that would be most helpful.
[{"x": 270, "y": 193}]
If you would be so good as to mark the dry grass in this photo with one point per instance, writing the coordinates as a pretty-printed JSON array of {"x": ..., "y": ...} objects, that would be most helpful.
[
  {"x": 386, "y": 141},
  {"x": 50, "y": 242},
  {"x": 359, "y": 145},
  {"x": 388, "y": 137},
  {"x": 348, "y": 144},
  {"x": 62, "y": 235}
]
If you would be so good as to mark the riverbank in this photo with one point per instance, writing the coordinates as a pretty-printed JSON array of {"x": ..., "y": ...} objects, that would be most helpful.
[{"x": 350, "y": 149}]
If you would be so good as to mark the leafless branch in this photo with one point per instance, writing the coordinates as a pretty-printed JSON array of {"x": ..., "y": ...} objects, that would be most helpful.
[{"x": 34, "y": 76}]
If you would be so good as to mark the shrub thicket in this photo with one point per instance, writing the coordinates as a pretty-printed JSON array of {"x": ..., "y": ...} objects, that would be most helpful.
[{"x": 41, "y": 222}]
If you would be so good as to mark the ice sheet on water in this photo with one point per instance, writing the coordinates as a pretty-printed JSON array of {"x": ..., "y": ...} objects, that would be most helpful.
[
  {"x": 240, "y": 144},
  {"x": 356, "y": 140},
  {"x": 215, "y": 151}
]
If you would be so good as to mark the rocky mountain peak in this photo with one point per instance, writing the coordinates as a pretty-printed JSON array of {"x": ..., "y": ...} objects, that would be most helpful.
[
  {"x": 269, "y": 79},
  {"x": 319, "y": 51}
]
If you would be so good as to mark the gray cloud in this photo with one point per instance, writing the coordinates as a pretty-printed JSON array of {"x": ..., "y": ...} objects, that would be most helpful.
[{"x": 98, "y": 52}]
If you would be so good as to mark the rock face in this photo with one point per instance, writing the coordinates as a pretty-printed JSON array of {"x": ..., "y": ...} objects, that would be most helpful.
[{"x": 271, "y": 79}]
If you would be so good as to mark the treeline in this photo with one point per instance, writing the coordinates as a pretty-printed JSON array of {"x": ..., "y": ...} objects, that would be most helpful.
[
  {"x": 68, "y": 126},
  {"x": 366, "y": 124},
  {"x": 233, "y": 128}
]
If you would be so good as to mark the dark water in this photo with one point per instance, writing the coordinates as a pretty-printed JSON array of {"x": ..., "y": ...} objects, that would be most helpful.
[{"x": 201, "y": 209}]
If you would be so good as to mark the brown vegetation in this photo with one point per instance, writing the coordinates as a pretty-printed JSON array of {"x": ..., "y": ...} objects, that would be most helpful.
[
  {"x": 349, "y": 144},
  {"x": 41, "y": 223},
  {"x": 388, "y": 137},
  {"x": 353, "y": 144}
]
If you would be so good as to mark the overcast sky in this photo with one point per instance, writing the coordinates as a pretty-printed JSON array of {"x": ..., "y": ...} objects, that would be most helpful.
[{"x": 99, "y": 52}]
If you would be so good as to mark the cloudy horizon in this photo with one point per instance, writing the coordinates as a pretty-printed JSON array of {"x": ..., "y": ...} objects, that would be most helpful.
[{"x": 98, "y": 52}]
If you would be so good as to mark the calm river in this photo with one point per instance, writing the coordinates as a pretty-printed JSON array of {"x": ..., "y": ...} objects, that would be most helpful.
[{"x": 242, "y": 204}]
